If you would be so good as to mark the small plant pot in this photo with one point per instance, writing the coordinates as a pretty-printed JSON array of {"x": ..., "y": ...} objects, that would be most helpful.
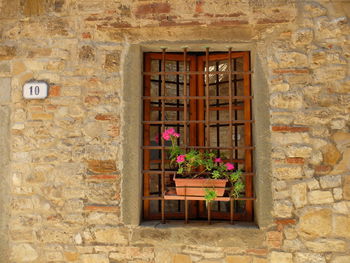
[{"x": 197, "y": 186}]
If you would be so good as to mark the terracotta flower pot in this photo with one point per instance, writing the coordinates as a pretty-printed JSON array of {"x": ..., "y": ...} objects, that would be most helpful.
[{"x": 197, "y": 186}]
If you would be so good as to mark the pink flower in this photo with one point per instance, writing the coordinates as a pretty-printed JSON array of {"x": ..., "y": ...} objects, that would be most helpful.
[
  {"x": 175, "y": 134},
  {"x": 180, "y": 158},
  {"x": 218, "y": 160},
  {"x": 166, "y": 136},
  {"x": 229, "y": 166},
  {"x": 170, "y": 131}
]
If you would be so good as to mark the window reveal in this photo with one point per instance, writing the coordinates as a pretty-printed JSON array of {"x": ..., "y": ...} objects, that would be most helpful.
[{"x": 206, "y": 97}]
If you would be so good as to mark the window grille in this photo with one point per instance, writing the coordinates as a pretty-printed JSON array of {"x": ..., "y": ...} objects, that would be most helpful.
[{"x": 206, "y": 97}]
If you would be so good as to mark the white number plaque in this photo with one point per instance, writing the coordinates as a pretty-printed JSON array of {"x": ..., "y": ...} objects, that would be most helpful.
[{"x": 35, "y": 90}]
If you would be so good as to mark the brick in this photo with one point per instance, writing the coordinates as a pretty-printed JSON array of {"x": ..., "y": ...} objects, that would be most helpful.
[
  {"x": 41, "y": 116},
  {"x": 274, "y": 239},
  {"x": 144, "y": 10},
  {"x": 286, "y": 221},
  {"x": 290, "y": 129},
  {"x": 54, "y": 91},
  {"x": 291, "y": 71},
  {"x": 296, "y": 160},
  {"x": 105, "y": 117}
]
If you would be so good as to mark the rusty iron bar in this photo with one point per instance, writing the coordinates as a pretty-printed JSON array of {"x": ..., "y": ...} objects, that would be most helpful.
[
  {"x": 201, "y": 121},
  {"x": 194, "y": 97},
  {"x": 163, "y": 143},
  {"x": 172, "y": 172},
  {"x": 196, "y": 72},
  {"x": 207, "y": 116},
  {"x": 185, "y": 99},
  {"x": 181, "y": 197},
  {"x": 230, "y": 100},
  {"x": 202, "y": 147}
]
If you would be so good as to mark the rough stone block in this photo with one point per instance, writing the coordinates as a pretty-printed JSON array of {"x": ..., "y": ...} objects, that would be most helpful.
[
  {"x": 315, "y": 224},
  {"x": 23, "y": 253},
  {"x": 111, "y": 235},
  {"x": 326, "y": 245},
  {"x": 281, "y": 257},
  {"x": 287, "y": 172},
  {"x": 94, "y": 258},
  {"x": 330, "y": 181},
  {"x": 299, "y": 195},
  {"x": 102, "y": 166},
  {"x": 341, "y": 259},
  {"x": 309, "y": 257},
  {"x": 282, "y": 209},
  {"x": 320, "y": 197},
  {"x": 290, "y": 101},
  {"x": 342, "y": 226}
]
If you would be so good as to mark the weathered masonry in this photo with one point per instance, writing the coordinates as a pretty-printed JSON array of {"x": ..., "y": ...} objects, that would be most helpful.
[{"x": 73, "y": 166}]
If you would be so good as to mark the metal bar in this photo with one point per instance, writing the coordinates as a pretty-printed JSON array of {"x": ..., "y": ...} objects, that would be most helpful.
[
  {"x": 194, "y": 97},
  {"x": 172, "y": 172},
  {"x": 207, "y": 116},
  {"x": 163, "y": 128},
  {"x": 230, "y": 100},
  {"x": 217, "y": 108},
  {"x": 185, "y": 100},
  {"x": 201, "y": 147},
  {"x": 201, "y": 121},
  {"x": 235, "y": 101},
  {"x": 197, "y": 72},
  {"x": 199, "y": 198}
]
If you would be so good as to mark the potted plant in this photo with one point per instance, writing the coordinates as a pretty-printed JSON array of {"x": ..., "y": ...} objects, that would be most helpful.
[{"x": 202, "y": 173}]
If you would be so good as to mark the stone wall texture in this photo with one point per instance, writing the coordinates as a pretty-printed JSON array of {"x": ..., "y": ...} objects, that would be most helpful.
[{"x": 60, "y": 163}]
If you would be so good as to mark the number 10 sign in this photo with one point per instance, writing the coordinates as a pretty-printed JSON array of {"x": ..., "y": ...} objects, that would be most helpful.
[{"x": 35, "y": 90}]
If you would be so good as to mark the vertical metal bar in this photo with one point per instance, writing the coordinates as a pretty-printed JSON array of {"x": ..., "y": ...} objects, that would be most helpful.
[
  {"x": 230, "y": 100},
  {"x": 163, "y": 143},
  {"x": 159, "y": 132},
  {"x": 218, "y": 117},
  {"x": 236, "y": 113},
  {"x": 207, "y": 97},
  {"x": 185, "y": 100}
]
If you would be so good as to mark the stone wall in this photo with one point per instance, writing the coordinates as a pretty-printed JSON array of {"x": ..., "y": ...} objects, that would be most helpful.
[{"x": 65, "y": 171}]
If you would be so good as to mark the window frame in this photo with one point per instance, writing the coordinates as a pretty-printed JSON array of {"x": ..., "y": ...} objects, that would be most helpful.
[{"x": 131, "y": 129}]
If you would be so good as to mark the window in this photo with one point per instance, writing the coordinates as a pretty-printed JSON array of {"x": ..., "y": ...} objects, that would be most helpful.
[{"x": 207, "y": 98}]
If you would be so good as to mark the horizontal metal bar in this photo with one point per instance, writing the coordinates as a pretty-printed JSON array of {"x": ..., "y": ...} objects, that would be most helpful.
[
  {"x": 189, "y": 197},
  {"x": 198, "y": 121},
  {"x": 194, "y": 97},
  {"x": 201, "y": 147},
  {"x": 195, "y": 72},
  {"x": 173, "y": 172}
]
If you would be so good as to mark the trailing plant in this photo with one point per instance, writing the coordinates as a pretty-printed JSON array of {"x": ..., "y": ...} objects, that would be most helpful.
[{"x": 206, "y": 164}]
